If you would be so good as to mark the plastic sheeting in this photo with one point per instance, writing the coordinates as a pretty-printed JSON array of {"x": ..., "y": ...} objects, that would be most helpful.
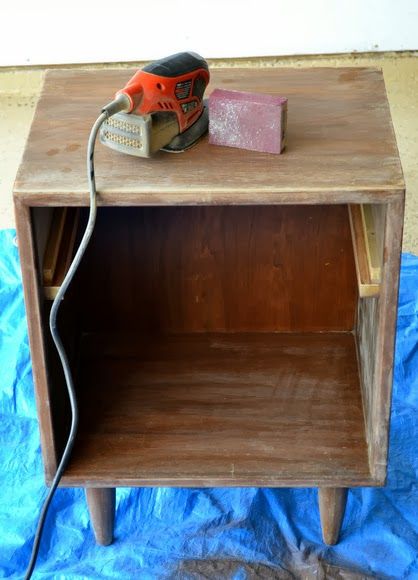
[{"x": 192, "y": 534}]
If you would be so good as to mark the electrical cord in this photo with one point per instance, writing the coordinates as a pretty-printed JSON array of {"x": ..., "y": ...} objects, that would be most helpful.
[{"x": 106, "y": 112}]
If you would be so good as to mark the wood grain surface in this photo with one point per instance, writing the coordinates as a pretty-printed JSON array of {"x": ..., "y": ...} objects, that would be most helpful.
[
  {"x": 340, "y": 148},
  {"x": 214, "y": 269},
  {"x": 206, "y": 410}
]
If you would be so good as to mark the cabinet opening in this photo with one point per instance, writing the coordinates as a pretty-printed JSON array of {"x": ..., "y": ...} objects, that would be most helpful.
[{"x": 219, "y": 340}]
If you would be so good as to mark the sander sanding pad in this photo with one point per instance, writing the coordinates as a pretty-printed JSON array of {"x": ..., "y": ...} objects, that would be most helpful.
[{"x": 253, "y": 121}]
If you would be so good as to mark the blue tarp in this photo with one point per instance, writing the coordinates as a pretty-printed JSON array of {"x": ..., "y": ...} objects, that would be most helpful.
[{"x": 191, "y": 534}]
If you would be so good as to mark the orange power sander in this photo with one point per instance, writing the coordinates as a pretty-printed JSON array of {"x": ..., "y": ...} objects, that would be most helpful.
[{"x": 161, "y": 107}]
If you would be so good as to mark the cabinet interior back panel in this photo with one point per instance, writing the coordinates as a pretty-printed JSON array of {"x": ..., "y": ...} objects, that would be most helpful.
[{"x": 220, "y": 269}]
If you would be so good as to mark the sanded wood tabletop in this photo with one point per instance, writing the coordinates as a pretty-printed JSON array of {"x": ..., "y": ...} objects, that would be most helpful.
[{"x": 340, "y": 145}]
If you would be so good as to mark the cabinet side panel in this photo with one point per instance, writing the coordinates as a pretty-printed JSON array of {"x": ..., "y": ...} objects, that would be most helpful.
[
  {"x": 367, "y": 324},
  {"x": 385, "y": 343},
  {"x": 368, "y": 311},
  {"x": 29, "y": 265},
  {"x": 43, "y": 223},
  {"x": 375, "y": 330}
]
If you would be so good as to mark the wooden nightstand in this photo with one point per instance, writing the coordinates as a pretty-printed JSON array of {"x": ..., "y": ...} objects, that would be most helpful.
[{"x": 233, "y": 321}]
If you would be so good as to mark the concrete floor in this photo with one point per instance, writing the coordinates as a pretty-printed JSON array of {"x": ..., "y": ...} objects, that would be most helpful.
[{"x": 19, "y": 90}]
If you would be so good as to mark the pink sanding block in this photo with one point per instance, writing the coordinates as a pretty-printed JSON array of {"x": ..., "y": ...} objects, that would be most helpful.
[{"x": 247, "y": 120}]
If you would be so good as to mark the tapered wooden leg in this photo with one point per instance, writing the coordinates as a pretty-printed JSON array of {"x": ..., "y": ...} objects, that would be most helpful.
[
  {"x": 101, "y": 503},
  {"x": 332, "y": 502}
]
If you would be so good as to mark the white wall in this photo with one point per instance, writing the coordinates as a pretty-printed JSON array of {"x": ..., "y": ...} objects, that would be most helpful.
[{"x": 53, "y": 32}]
